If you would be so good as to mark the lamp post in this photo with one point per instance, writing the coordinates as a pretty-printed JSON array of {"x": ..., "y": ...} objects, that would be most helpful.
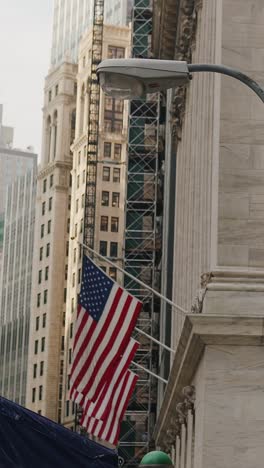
[
  {"x": 156, "y": 459},
  {"x": 133, "y": 78}
]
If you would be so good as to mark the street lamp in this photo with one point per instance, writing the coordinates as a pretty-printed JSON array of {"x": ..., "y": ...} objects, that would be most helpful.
[
  {"x": 156, "y": 459},
  {"x": 133, "y": 78}
]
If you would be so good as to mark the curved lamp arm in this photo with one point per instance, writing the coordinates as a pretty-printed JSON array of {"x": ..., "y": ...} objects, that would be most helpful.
[{"x": 204, "y": 67}]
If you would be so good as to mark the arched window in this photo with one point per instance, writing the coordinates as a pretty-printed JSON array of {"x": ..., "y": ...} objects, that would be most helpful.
[
  {"x": 73, "y": 120},
  {"x": 48, "y": 139},
  {"x": 55, "y": 126},
  {"x": 82, "y": 110}
]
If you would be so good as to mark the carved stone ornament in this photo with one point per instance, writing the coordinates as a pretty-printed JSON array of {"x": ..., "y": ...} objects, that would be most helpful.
[
  {"x": 197, "y": 306},
  {"x": 185, "y": 44}
]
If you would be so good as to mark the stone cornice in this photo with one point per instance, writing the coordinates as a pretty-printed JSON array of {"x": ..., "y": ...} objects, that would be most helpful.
[
  {"x": 54, "y": 165},
  {"x": 199, "y": 331}
]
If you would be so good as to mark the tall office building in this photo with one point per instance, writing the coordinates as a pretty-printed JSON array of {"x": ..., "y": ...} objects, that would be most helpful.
[
  {"x": 109, "y": 185},
  {"x": 48, "y": 301},
  {"x": 71, "y": 20},
  {"x": 13, "y": 164},
  {"x": 15, "y": 285},
  {"x": 66, "y": 96}
]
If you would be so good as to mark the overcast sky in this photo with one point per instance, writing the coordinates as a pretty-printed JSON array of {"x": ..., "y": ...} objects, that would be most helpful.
[{"x": 25, "y": 43}]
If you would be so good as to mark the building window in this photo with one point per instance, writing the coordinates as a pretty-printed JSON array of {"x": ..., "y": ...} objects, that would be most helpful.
[
  {"x": 68, "y": 225},
  {"x": 107, "y": 149},
  {"x": 46, "y": 273},
  {"x": 72, "y": 305},
  {"x": 105, "y": 198},
  {"x": 116, "y": 175},
  {"x": 79, "y": 158},
  {"x": 43, "y": 208},
  {"x": 77, "y": 205},
  {"x": 74, "y": 255},
  {"x": 117, "y": 151},
  {"x": 40, "y": 253},
  {"x": 113, "y": 249},
  {"x": 113, "y": 115},
  {"x": 71, "y": 330},
  {"x": 79, "y": 276},
  {"x": 49, "y": 226},
  {"x": 112, "y": 273},
  {"x": 38, "y": 299},
  {"x": 56, "y": 90},
  {"x": 44, "y": 320},
  {"x": 103, "y": 248},
  {"x": 51, "y": 180},
  {"x": 81, "y": 226},
  {"x": 44, "y": 185},
  {"x": 62, "y": 343},
  {"x": 33, "y": 395},
  {"x": 73, "y": 280},
  {"x": 35, "y": 367},
  {"x": 42, "y": 231},
  {"x": 47, "y": 250},
  {"x": 104, "y": 223},
  {"x": 50, "y": 95},
  {"x": 43, "y": 344},
  {"x": 41, "y": 370},
  {"x": 83, "y": 200},
  {"x": 115, "y": 199},
  {"x": 50, "y": 203},
  {"x": 45, "y": 296},
  {"x": 114, "y": 224},
  {"x": 83, "y": 176},
  {"x": 65, "y": 295},
  {"x": 106, "y": 174},
  {"x": 37, "y": 323},
  {"x": 70, "y": 356},
  {"x": 67, "y": 408},
  {"x": 78, "y": 181},
  {"x": 67, "y": 248},
  {"x": 40, "y": 392},
  {"x": 75, "y": 229},
  {"x": 39, "y": 276},
  {"x": 36, "y": 347},
  {"x": 116, "y": 52}
]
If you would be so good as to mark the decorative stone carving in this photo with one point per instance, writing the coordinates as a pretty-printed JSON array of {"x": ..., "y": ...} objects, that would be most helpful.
[
  {"x": 197, "y": 306},
  {"x": 185, "y": 43}
]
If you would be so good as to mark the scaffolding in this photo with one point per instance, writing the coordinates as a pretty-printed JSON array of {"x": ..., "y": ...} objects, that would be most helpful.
[
  {"x": 142, "y": 244},
  {"x": 93, "y": 125}
]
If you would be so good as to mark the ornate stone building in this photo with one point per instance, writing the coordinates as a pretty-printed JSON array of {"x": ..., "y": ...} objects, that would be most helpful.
[{"x": 215, "y": 193}]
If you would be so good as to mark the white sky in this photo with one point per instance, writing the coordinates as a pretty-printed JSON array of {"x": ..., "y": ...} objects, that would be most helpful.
[{"x": 25, "y": 43}]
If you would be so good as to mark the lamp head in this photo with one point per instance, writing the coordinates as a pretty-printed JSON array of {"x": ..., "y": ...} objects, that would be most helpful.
[{"x": 133, "y": 78}]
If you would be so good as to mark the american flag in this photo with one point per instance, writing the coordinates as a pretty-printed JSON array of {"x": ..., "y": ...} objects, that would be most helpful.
[
  {"x": 109, "y": 428},
  {"x": 101, "y": 407},
  {"x": 106, "y": 317}
]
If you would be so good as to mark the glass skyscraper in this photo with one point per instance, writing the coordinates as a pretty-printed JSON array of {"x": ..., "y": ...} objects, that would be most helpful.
[
  {"x": 71, "y": 19},
  {"x": 15, "y": 284}
]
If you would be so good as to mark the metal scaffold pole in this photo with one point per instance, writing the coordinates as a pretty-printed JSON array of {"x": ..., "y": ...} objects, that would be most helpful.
[{"x": 142, "y": 246}]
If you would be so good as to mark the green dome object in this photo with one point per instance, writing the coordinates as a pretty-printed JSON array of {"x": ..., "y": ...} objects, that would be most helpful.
[{"x": 156, "y": 458}]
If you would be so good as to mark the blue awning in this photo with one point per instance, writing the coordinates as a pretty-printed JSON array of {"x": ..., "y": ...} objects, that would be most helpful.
[{"x": 30, "y": 440}]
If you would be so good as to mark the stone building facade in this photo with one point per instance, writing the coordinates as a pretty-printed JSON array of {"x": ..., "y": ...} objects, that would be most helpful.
[
  {"x": 51, "y": 247},
  {"x": 216, "y": 143}
]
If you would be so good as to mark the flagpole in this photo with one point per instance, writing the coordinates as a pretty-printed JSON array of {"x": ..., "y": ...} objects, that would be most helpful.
[
  {"x": 155, "y": 341},
  {"x": 164, "y": 298},
  {"x": 149, "y": 372}
]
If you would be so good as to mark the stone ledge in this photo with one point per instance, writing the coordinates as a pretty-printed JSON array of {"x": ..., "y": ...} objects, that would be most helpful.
[{"x": 198, "y": 332}]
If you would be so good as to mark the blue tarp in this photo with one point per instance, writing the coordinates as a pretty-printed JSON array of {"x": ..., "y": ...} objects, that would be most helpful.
[{"x": 28, "y": 440}]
